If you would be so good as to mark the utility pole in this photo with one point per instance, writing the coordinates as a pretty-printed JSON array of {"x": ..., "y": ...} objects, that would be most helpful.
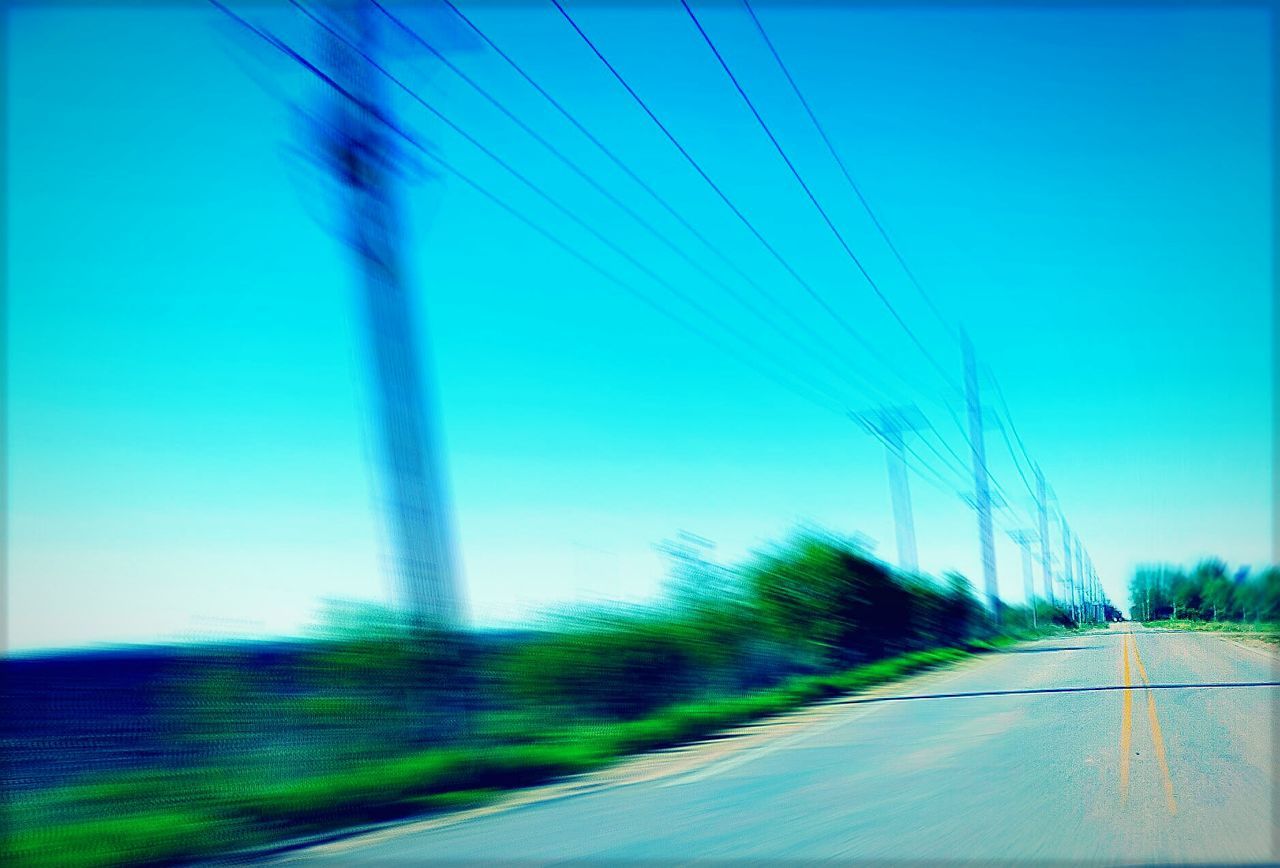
[
  {"x": 1023, "y": 539},
  {"x": 358, "y": 142},
  {"x": 1098, "y": 597},
  {"x": 1093, "y": 588},
  {"x": 1080, "y": 576},
  {"x": 1091, "y": 603},
  {"x": 889, "y": 424},
  {"x": 1042, "y": 502},
  {"x": 1066, "y": 569},
  {"x": 981, "y": 485}
]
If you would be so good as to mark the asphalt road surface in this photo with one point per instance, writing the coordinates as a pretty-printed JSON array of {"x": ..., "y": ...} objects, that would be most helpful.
[{"x": 1012, "y": 758}]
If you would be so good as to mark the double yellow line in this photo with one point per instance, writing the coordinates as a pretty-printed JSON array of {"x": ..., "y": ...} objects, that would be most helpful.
[{"x": 1126, "y": 725}]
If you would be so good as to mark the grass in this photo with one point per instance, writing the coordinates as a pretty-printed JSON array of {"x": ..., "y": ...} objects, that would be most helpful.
[
  {"x": 161, "y": 819},
  {"x": 1267, "y": 631}
]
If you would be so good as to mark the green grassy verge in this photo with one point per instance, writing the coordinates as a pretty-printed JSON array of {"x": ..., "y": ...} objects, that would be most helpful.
[
  {"x": 174, "y": 817},
  {"x": 1268, "y": 631}
]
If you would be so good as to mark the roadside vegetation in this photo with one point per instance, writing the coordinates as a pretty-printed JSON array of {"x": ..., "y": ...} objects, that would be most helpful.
[
  {"x": 1265, "y": 631},
  {"x": 222, "y": 748},
  {"x": 1209, "y": 595}
]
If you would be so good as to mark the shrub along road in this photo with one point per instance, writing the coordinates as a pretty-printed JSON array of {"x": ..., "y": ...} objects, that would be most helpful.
[{"x": 1128, "y": 744}]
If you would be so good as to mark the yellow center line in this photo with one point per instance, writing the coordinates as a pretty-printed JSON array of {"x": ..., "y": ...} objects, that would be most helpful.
[
  {"x": 1126, "y": 723},
  {"x": 1157, "y": 737}
]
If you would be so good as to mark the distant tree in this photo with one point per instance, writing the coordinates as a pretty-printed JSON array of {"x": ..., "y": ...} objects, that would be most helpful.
[
  {"x": 1208, "y": 590},
  {"x": 1268, "y": 593},
  {"x": 1149, "y": 592},
  {"x": 1185, "y": 596},
  {"x": 1218, "y": 599},
  {"x": 1248, "y": 597}
]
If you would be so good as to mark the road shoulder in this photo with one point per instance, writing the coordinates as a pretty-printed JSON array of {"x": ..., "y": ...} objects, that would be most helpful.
[{"x": 682, "y": 760}]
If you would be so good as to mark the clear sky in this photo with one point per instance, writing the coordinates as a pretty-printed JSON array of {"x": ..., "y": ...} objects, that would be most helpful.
[{"x": 1087, "y": 192}]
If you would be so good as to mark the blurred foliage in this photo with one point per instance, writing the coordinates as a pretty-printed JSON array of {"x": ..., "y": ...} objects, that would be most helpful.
[
  {"x": 611, "y": 664},
  {"x": 174, "y": 754},
  {"x": 1209, "y": 591}
]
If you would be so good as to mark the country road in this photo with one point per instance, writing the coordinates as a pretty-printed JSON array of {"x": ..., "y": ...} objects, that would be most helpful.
[{"x": 1038, "y": 765}]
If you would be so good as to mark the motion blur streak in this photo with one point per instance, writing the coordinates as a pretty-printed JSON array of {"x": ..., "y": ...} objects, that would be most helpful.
[
  {"x": 193, "y": 750},
  {"x": 657, "y": 301}
]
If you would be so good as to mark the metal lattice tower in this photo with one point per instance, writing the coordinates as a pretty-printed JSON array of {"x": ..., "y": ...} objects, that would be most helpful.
[
  {"x": 889, "y": 424},
  {"x": 411, "y": 473},
  {"x": 1042, "y": 505},
  {"x": 1067, "y": 579},
  {"x": 981, "y": 482},
  {"x": 1023, "y": 539}
]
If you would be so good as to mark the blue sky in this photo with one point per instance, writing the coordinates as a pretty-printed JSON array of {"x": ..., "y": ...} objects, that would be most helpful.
[{"x": 1086, "y": 191}]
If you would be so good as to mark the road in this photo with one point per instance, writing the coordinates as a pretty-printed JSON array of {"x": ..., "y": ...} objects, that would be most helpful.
[{"x": 1037, "y": 765}]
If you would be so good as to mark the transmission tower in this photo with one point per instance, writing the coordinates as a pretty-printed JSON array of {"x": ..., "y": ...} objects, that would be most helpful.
[
  {"x": 1023, "y": 539},
  {"x": 889, "y": 424},
  {"x": 358, "y": 142},
  {"x": 981, "y": 483},
  {"x": 1042, "y": 507},
  {"x": 1081, "y": 577},
  {"x": 1067, "y": 580}
]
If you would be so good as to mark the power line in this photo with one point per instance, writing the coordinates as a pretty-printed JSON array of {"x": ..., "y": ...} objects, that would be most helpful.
[
  {"x": 816, "y": 204},
  {"x": 841, "y": 372},
  {"x": 963, "y": 464},
  {"x": 807, "y": 392},
  {"x": 1008, "y": 415},
  {"x": 827, "y": 219},
  {"x": 857, "y": 191},
  {"x": 844, "y": 170},
  {"x": 628, "y": 287},
  {"x": 936, "y": 479},
  {"x": 559, "y": 206},
  {"x": 813, "y": 293},
  {"x": 1008, "y": 420},
  {"x": 961, "y": 470},
  {"x": 813, "y": 391},
  {"x": 644, "y": 185},
  {"x": 751, "y": 227},
  {"x": 1003, "y": 423}
]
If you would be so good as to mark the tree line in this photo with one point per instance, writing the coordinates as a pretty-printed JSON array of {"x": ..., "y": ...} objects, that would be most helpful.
[
  {"x": 1209, "y": 591},
  {"x": 816, "y": 602}
]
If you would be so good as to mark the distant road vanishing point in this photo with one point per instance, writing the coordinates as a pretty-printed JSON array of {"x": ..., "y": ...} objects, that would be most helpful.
[{"x": 1129, "y": 745}]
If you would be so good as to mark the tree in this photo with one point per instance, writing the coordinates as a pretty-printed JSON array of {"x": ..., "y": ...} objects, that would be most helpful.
[
  {"x": 1219, "y": 599},
  {"x": 1206, "y": 591},
  {"x": 1269, "y": 595},
  {"x": 1149, "y": 593},
  {"x": 1209, "y": 591},
  {"x": 1184, "y": 593},
  {"x": 822, "y": 591},
  {"x": 964, "y": 612}
]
